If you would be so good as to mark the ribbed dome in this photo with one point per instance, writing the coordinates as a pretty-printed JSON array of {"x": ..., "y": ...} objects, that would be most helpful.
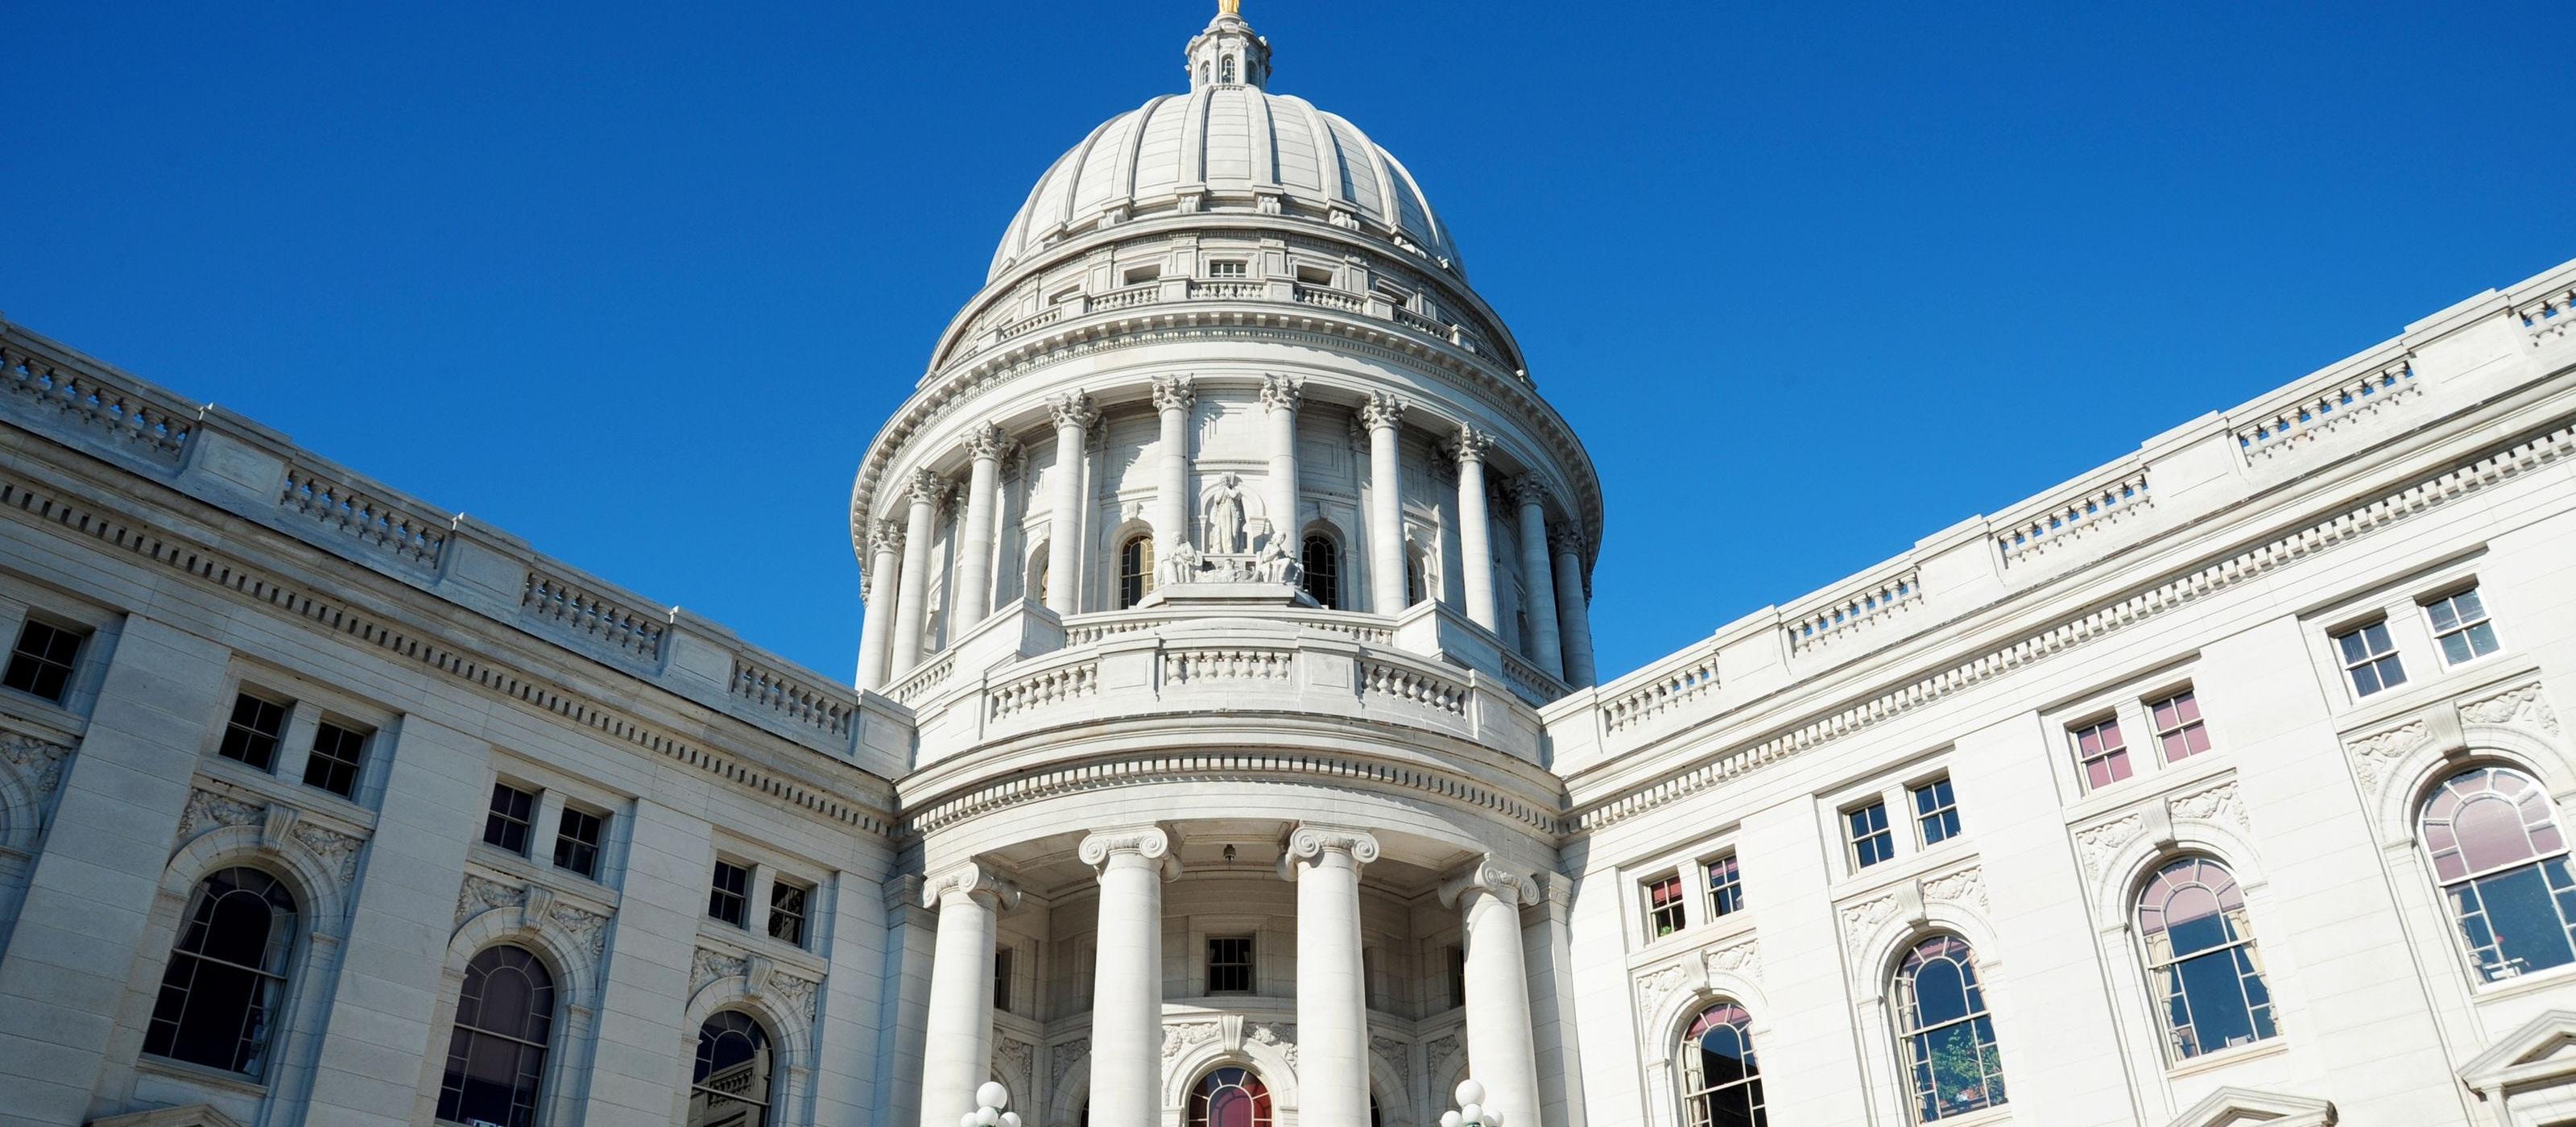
[{"x": 1222, "y": 148}]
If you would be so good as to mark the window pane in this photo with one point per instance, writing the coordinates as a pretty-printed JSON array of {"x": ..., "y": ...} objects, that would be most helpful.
[
  {"x": 225, "y": 973},
  {"x": 41, "y": 665},
  {"x": 507, "y": 824},
  {"x": 337, "y": 754},
  {"x": 729, "y": 896},
  {"x": 251, "y": 735}
]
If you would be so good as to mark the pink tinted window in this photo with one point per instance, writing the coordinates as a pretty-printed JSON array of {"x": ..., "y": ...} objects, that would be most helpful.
[
  {"x": 2102, "y": 753},
  {"x": 2486, "y": 819},
  {"x": 2179, "y": 732}
]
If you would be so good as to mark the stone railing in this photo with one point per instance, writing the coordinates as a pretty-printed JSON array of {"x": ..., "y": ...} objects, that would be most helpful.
[
  {"x": 1813, "y": 625},
  {"x": 2314, "y": 410},
  {"x": 1128, "y": 298},
  {"x": 1659, "y": 690},
  {"x": 825, "y": 709},
  {"x": 1413, "y": 684},
  {"x": 1041, "y": 689},
  {"x": 929, "y": 675},
  {"x": 1183, "y": 666},
  {"x": 95, "y": 406},
  {"x": 2033, "y": 529},
  {"x": 1329, "y": 298},
  {"x": 1531, "y": 682},
  {"x": 2549, "y": 313},
  {"x": 1084, "y": 629},
  {"x": 571, "y": 610},
  {"x": 381, "y": 528},
  {"x": 1230, "y": 290}
]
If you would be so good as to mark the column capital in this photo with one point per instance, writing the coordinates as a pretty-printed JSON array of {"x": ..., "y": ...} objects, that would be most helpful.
[
  {"x": 1490, "y": 877},
  {"x": 1310, "y": 843},
  {"x": 972, "y": 879},
  {"x": 886, "y": 535},
  {"x": 928, "y": 488},
  {"x": 1151, "y": 841},
  {"x": 1470, "y": 445},
  {"x": 987, "y": 441},
  {"x": 1282, "y": 392},
  {"x": 1174, "y": 393},
  {"x": 1526, "y": 490},
  {"x": 1072, "y": 409},
  {"x": 1383, "y": 410},
  {"x": 1565, "y": 542}
]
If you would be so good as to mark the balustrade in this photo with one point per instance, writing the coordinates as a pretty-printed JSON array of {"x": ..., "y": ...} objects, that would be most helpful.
[
  {"x": 383, "y": 529},
  {"x": 580, "y": 613}
]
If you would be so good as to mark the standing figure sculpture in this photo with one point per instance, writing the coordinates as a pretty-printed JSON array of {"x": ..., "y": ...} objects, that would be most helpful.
[{"x": 1225, "y": 516}]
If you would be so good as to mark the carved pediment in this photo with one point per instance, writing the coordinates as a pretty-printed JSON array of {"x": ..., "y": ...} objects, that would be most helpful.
[
  {"x": 192, "y": 1115},
  {"x": 2243, "y": 1107},
  {"x": 2543, "y": 1050}
]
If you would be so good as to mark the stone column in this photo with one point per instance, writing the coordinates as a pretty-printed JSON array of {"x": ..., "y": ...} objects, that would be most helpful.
[
  {"x": 1332, "y": 998},
  {"x": 1173, "y": 397},
  {"x": 912, "y": 592},
  {"x": 1073, "y": 418},
  {"x": 957, "y": 1042},
  {"x": 985, "y": 446},
  {"x": 1127, "y": 979},
  {"x": 1475, "y": 527},
  {"x": 885, "y": 558},
  {"x": 1383, "y": 415},
  {"x": 1501, "y": 1053},
  {"x": 1281, "y": 395},
  {"x": 1573, "y": 612},
  {"x": 1537, "y": 582}
]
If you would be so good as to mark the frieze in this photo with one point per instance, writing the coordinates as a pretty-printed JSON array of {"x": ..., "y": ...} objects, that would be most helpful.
[
  {"x": 1015, "y": 1060},
  {"x": 1860, "y": 919},
  {"x": 1061, "y": 1058},
  {"x": 1282, "y": 1037},
  {"x": 480, "y": 894},
  {"x": 2218, "y": 805},
  {"x": 207, "y": 810},
  {"x": 1741, "y": 959},
  {"x": 42, "y": 760},
  {"x": 2374, "y": 757},
  {"x": 2523, "y": 707},
  {"x": 1179, "y": 1038},
  {"x": 1397, "y": 1056},
  {"x": 336, "y": 849},
  {"x": 1438, "y": 1050},
  {"x": 1656, "y": 985},
  {"x": 1966, "y": 886},
  {"x": 2096, "y": 845}
]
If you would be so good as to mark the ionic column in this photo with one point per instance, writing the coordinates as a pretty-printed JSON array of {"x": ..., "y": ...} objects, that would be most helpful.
[
  {"x": 912, "y": 593},
  {"x": 1127, "y": 977},
  {"x": 957, "y": 1041},
  {"x": 1281, "y": 395},
  {"x": 1475, "y": 529},
  {"x": 1332, "y": 998},
  {"x": 885, "y": 555},
  {"x": 1173, "y": 397},
  {"x": 1383, "y": 414},
  {"x": 1073, "y": 418},
  {"x": 1573, "y": 615},
  {"x": 1536, "y": 581},
  {"x": 985, "y": 445},
  {"x": 1501, "y": 1051}
]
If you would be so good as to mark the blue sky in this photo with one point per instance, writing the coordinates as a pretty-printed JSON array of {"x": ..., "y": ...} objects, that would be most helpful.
[{"x": 639, "y": 282}]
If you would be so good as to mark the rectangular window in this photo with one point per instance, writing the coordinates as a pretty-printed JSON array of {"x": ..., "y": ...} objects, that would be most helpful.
[
  {"x": 788, "y": 909},
  {"x": 577, "y": 838},
  {"x": 1139, "y": 275},
  {"x": 1229, "y": 965},
  {"x": 1225, "y": 269},
  {"x": 2102, "y": 752},
  {"x": 1457, "y": 976},
  {"x": 2179, "y": 731},
  {"x": 252, "y": 734},
  {"x": 1936, "y": 811},
  {"x": 1871, "y": 841},
  {"x": 507, "y": 825},
  {"x": 337, "y": 754},
  {"x": 729, "y": 894},
  {"x": 42, "y": 663},
  {"x": 1002, "y": 979},
  {"x": 2460, "y": 624},
  {"x": 1725, "y": 887},
  {"x": 2370, "y": 659},
  {"x": 1664, "y": 914}
]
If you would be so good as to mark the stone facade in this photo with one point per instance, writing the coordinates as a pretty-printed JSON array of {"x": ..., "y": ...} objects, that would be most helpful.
[{"x": 1226, "y": 700}]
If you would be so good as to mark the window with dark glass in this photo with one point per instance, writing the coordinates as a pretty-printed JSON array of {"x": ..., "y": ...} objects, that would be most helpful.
[
  {"x": 1936, "y": 811},
  {"x": 1002, "y": 979},
  {"x": 2501, "y": 861},
  {"x": 219, "y": 995},
  {"x": 787, "y": 911},
  {"x": 496, "y": 1057},
  {"x": 41, "y": 664},
  {"x": 2101, "y": 753},
  {"x": 577, "y": 838},
  {"x": 1229, "y": 964},
  {"x": 1947, "y": 1036},
  {"x": 2370, "y": 659},
  {"x": 1225, "y": 268},
  {"x": 1135, "y": 570},
  {"x": 507, "y": 823},
  {"x": 2200, "y": 954},
  {"x": 1871, "y": 840},
  {"x": 729, "y": 894},
  {"x": 1725, "y": 887},
  {"x": 2179, "y": 732},
  {"x": 1721, "y": 1083},
  {"x": 729, "y": 1087},
  {"x": 1321, "y": 564},
  {"x": 1664, "y": 911},
  {"x": 1417, "y": 585},
  {"x": 1229, "y": 1097},
  {"x": 2460, "y": 624},
  {"x": 337, "y": 754},
  {"x": 251, "y": 736},
  {"x": 1457, "y": 961}
]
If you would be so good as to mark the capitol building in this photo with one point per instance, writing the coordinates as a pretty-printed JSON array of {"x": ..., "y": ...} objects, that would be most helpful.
[{"x": 1227, "y": 746}]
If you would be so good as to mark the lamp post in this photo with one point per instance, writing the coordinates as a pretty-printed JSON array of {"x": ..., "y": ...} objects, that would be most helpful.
[
  {"x": 1471, "y": 1111},
  {"x": 989, "y": 1101}
]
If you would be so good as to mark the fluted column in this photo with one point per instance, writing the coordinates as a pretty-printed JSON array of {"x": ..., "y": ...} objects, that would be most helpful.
[
  {"x": 1573, "y": 612},
  {"x": 1502, "y": 1052},
  {"x": 885, "y": 556},
  {"x": 912, "y": 593},
  {"x": 1538, "y": 585},
  {"x": 1475, "y": 527},
  {"x": 957, "y": 1041},
  {"x": 1127, "y": 975},
  {"x": 985, "y": 446},
  {"x": 1332, "y": 997},
  {"x": 1280, "y": 395},
  {"x": 1383, "y": 415},
  {"x": 1173, "y": 397},
  {"x": 1073, "y": 418}
]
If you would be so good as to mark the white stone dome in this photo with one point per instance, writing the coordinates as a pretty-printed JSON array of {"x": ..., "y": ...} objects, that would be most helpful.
[{"x": 1227, "y": 146}]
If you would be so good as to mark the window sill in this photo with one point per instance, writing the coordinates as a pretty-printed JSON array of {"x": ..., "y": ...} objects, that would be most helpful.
[
  {"x": 1904, "y": 868},
  {"x": 2000, "y": 1113},
  {"x": 752, "y": 942},
  {"x": 2271, "y": 1046},
  {"x": 2443, "y": 684},
  {"x": 200, "y": 1074},
  {"x": 573, "y": 887},
  {"x": 2554, "y": 978}
]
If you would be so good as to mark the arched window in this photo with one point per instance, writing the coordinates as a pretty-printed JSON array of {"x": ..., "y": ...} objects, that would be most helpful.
[
  {"x": 1135, "y": 569},
  {"x": 1230, "y": 1097},
  {"x": 1225, "y": 69},
  {"x": 1035, "y": 592},
  {"x": 1417, "y": 583},
  {"x": 226, "y": 973},
  {"x": 2502, "y": 863},
  {"x": 1721, "y": 1084},
  {"x": 1321, "y": 560},
  {"x": 730, "y": 1087},
  {"x": 496, "y": 1058},
  {"x": 2200, "y": 952},
  {"x": 1949, "y": 1039}
]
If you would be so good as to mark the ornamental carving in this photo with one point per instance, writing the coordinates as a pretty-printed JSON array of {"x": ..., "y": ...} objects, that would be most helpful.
[
  {"x": 1439, "y": 1049},
  {"x": 338, "y": 851},
  {"x": 1311, "y": 842},
  {"x": 928, "y": 488},
  {"x": 1174, "y": 393},
  {"x": 2375, "y": 757},
  {"x": 709, "y": 966},
  {"x": 971, "y": 878},
  {"x": 1657, "y": 985},
  {"x": 2219, "y": 804},
  {"x": 2522, "y": 707},
  {"x": 1282, "y": 393},
  {"x": 1862, "y": 918},
  {"x": 1151, "y": 842},
  {"x": 1072, "y": 409},
  {"x": 1743, "y": 959},
  {"x": 1180, "y": 1038},
  {"x": 2096, "y": 845},
  {"x": 1382, "y": 411},
  {"x": 1394, "y": 1053},
  {"x": 1526, "y": 490},
  {"x": 1967, "y": 886},
  {"x": 1060, "y": 1060},
  {"x": 1015, "y": 1060},
  {"x": 207, "y": 810},
  {"x": 988, "y": 442},
  {"x": 41, "y": 760},
  {"x": 1490, "y": 877},
  {"x": 1282, "y": 1037},
  {"x": 481, "y": 894},
  {"x": 799, "y": 994},
  {"x": 1470, "y": 445}
]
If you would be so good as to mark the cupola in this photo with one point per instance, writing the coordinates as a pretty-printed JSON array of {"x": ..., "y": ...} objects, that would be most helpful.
[{"x": 1227, "y": 53}]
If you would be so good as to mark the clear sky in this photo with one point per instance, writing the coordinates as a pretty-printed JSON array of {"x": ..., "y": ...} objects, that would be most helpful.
[{"x": 638, "y": 282}]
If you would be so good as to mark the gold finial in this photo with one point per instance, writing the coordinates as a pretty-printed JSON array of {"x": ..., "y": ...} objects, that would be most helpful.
[{"x": 1229, "y": 7}]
